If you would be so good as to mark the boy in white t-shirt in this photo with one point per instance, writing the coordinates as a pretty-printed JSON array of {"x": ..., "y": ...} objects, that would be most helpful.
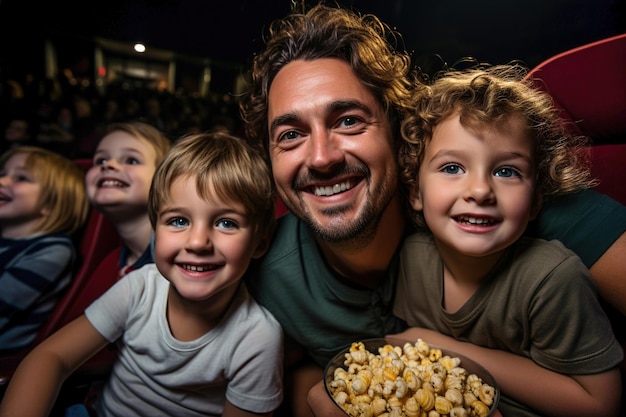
[{"x": 192, "y": 341}]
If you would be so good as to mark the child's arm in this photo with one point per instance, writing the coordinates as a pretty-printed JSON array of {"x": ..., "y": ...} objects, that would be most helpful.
[
  {"x": 548, "y": 392},
  {"x": 37, "y": 381},
  {"x": 232, "y": 411}
]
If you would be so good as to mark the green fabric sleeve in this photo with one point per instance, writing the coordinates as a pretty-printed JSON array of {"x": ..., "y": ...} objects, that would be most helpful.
[{"x": 587, "y": 222}]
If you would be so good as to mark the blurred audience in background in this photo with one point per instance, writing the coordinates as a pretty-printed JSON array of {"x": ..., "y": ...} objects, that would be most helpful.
[{"x": 71, "y": 119}]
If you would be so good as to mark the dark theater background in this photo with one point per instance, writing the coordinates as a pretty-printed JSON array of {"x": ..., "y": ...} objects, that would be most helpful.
[
  {"x": 226, "y": 33},
  {"x": 202, "y": 48}
]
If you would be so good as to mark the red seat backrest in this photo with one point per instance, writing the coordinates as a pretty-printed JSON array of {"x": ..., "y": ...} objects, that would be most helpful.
[
  {"x": 608, "y": 163},
  {"x": 96, "y": 241},
  {"x": 589, "y": 84}
]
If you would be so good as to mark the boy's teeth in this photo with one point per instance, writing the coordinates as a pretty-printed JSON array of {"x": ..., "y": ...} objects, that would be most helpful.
[
  {"x": 196, "y": 268},
  {"x": 474, "y": 220}
]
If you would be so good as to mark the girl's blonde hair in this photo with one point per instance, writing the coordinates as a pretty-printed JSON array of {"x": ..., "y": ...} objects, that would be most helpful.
[
  {"x": 62, "y": 188},
  {"x": 236, "y": 171},
  {"x": 145, "y": 132}
]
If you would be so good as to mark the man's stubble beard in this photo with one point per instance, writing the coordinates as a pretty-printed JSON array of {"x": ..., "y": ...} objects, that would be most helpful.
[{"x": 357, "y": 234}]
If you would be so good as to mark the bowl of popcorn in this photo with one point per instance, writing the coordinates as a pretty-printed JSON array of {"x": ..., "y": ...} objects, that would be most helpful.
[{"x": 396, "y": 378}]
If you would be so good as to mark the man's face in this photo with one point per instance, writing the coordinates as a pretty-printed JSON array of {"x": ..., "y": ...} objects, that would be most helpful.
[{"x": 331, "y": 149}]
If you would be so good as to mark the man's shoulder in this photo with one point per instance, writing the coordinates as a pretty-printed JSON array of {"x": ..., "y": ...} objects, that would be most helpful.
[{"x": 291, "y": 236}]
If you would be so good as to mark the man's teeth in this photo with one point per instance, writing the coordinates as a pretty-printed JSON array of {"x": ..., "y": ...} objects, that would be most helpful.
[
  {"x": 195, "y": 268},
  {"x": 330, "y": 190},
  {"x": 474, "y": 220}
]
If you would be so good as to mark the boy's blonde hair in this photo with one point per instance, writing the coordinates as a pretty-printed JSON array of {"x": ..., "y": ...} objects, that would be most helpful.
[
  {"x": 62, "y": 188},
  {"x": 487, "y": 98},
  {"x": 145, "y": 132},
  {"x": 236, "y": 171}
]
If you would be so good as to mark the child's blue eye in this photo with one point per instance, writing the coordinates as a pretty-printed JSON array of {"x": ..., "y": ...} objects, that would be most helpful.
[
  {"x": 178, "y": 222},
  {"x": 226, "y": 224},
  {"x": 452, "y": 169},
  {"x": 506, "y": 172}
]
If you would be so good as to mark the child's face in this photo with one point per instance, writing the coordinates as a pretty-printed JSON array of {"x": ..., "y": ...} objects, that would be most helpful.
[
  {"x": 476, "y": 189},
  {"x": 19, "y": 199},
  {"x": 121, "y": 174},
  {"x": 203, "y": 248}
]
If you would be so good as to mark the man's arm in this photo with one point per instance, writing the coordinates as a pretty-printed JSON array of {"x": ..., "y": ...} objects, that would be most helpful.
[{"x": 608, "y": 274}]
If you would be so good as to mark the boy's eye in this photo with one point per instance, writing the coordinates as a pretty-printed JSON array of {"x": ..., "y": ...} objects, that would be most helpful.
[
  {"x": 178, "y": 222},
  {"x": 506, "y": 172},
  {"x": 452, "y": 169},
  {"x": 99, "y": 161},
  {"x": 226, "y": 224},
  {"x": 132, "y": 161}
]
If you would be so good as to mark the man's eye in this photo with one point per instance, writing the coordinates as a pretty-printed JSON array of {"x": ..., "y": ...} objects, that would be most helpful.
[
  {"x": 349, "y": 121},
  {"x": 289, "y": 135},
  {"x": 506, "y": 172},
  {"x": 452, "y": 169}
]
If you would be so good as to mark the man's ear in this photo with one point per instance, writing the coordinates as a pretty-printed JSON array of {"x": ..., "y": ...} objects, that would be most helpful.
[{"x": 537, "y": 204}]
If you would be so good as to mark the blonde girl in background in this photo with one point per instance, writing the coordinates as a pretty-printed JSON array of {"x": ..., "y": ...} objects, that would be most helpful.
[{"x": 42, "y": 203}]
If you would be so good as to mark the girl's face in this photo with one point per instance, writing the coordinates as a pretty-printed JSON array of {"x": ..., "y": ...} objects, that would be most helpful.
[
  {"x": 123, "y": 167},
  {"x": 20, "y": 192},
  {"x": 203, "y": 248}
]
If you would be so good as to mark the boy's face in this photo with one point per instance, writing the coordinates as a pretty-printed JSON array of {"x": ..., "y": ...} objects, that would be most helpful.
[
  {"x": 203, "y": 248},
  {"x": 331, "y": 148},
  {"x": 121, "y": 174},
  {"x": 20, "y": 193},
  {"x": 476, "y": 190}
]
